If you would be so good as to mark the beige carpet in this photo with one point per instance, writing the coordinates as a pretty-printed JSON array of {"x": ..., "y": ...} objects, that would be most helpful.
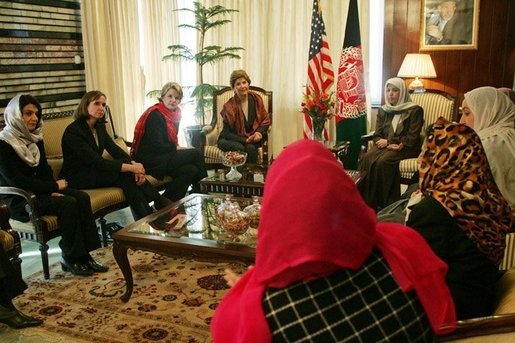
[{"x": 173, "y": 301}]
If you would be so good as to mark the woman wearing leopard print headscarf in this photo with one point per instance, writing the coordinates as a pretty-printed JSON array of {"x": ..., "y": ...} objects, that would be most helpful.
[{"x": 462, "y": 215}]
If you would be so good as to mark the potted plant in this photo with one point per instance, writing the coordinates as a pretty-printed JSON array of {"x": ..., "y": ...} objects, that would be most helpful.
[{"x": 206, "y": 18}]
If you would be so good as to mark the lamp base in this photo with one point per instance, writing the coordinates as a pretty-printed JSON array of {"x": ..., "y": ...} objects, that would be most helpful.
[{"x": 416, "y": 84}]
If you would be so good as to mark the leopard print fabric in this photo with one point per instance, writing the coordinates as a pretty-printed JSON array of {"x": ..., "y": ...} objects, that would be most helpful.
[{"x": 454, "y": 170}]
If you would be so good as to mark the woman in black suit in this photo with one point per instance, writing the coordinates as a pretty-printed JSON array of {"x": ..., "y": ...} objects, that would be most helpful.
[
  {"x": 84, "y": 167},
  {"x": 156, "y": 145},
  {"x": 24, "y": 165}
]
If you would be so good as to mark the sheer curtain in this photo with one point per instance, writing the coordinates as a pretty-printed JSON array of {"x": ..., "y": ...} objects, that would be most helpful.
[
  {"x": 274, "y": 34},
  {"x": 159, "y": 30},
  {"x": 112, "y": 58}
]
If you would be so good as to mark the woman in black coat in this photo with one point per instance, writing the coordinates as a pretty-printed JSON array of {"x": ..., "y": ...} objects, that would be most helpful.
[
  {"x": 156, "y": 145},
  {"x": 83, "y": 143},
  {"x": 24, "y": 165}
]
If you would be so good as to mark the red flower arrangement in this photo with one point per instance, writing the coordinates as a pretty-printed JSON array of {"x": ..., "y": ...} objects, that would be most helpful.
[{"x": 318, "y": 104}]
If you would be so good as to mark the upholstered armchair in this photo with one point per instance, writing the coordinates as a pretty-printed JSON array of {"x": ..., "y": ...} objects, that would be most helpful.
[
  {"x": 212, "y": 154},
  {"x": 436, "y": 103}
]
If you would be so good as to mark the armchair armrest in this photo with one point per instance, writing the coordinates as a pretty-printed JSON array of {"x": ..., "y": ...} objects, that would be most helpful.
[
  {"x": 29, "y": 197},
  {"x": 364, "y": 141}
]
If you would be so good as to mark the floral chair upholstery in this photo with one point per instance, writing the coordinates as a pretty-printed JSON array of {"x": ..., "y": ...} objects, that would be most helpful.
[{"x": 212, "y": 154}]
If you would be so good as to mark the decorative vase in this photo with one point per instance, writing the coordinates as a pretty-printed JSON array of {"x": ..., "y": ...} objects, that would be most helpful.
[{"x": 317, "y": 132}]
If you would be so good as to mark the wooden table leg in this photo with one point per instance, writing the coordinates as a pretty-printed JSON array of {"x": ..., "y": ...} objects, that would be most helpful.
[{"x": 120, "y": 255}]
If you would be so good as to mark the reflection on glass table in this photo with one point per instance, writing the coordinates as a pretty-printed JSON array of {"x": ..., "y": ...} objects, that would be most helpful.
[{"x": 195, "y": 217}]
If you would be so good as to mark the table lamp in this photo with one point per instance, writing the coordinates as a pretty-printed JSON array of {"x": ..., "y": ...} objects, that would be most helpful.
[{"x": 417, "y": 65}]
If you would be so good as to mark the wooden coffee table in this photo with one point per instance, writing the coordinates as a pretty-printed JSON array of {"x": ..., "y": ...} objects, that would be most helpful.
[{"x": 189, "y": 226}]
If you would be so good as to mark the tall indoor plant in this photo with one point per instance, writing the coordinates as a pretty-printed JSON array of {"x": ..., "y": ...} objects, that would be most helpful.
[{"x": 206, "y": 18}]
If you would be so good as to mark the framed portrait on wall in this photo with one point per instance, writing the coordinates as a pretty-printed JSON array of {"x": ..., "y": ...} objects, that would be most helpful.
[{"x": 449, "y": 25}]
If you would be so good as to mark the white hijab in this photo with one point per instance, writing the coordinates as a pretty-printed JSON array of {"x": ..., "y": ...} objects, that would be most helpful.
[
  {"x": 404, "y": 98},
  {"x": 18, "y": 136},
  {"x": 494, "y": 116}
]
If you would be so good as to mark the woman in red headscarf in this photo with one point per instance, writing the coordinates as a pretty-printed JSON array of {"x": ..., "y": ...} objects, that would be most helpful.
[{"x": 326, "y": 270}]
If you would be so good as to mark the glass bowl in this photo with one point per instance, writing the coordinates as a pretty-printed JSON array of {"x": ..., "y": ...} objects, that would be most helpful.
[{"x": 233, "y": 159}]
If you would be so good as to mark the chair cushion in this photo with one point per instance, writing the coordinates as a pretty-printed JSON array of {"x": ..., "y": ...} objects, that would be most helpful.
[
  {"x": 27, "y": 227},
  {"x": 212, "y": 154},
  {"x": 408, "y": 167},
  {"x": 104, "y": 197},
  {"x": 506, "y": 293}
]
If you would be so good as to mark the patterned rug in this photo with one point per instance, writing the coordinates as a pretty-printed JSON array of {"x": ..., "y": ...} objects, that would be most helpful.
[{"x": 173, "y": 301}]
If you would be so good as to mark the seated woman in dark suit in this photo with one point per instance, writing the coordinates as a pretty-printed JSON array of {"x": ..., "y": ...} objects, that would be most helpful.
[
  {"x": 245, "y": 119},
  {"x": 462, "y": 214},
  {"x": 24, "y": 165},
  {"x": 397, "y": 137},
  {"x": 326, "y": 271},
  {"x": 83, "y": 143},
  {"x": 156, "y": 145}
]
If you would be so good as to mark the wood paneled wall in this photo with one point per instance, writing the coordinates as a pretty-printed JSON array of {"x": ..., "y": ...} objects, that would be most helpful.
[
  {"x": 39, "y": 40},
  {"x": 458, "y": 71}
]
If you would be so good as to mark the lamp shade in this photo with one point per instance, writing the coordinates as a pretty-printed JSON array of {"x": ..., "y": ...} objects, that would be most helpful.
[{"x": 417, "y": 65}]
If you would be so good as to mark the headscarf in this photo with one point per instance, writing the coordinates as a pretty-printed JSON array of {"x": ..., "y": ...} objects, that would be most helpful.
[
  {"x": 307, "y": 233},
  {"x": 171, "y": 117},
  {"x": 454, "y": 171},
  {"x": 18, "y": 136},
  {"x": 494, "y": 116},
  {"x": 509, "y": 92},
  {"x": 404, "y": 102},
  {"x": 233, "y": 115}
]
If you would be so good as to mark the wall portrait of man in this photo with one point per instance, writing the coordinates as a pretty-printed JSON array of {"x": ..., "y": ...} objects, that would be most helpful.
[{"x": 449, "y": 25}]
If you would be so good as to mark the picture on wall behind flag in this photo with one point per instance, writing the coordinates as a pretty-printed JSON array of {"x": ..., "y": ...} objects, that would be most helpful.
[
  {"x": 351, "y": 103},
  {"x": 320, "y": 65}
]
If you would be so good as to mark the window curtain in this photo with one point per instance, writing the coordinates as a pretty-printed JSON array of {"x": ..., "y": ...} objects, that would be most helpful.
[
  {"x": 275, "y": 36},
  {"x": 159, "y": 30},
  {"x": 112, "y": 58}
]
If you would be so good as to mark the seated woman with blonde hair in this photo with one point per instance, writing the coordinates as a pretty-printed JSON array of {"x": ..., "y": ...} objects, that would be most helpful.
[{"x": 156, "y": 145}]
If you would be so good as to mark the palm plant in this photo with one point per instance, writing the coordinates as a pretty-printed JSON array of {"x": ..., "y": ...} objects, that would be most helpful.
[{"x": 206, "y": 18}]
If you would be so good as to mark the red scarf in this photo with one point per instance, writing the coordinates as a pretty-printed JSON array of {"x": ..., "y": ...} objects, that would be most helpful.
[
  {"x": 308, "y": 233},
  {"x": 233, "y": 115},
  {"x": 170, "y": 118}
]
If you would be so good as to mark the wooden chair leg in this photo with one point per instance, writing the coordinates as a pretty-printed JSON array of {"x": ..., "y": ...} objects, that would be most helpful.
[
  {"x": 43, "y": 248},
  {"x": 103, "y": 230}
]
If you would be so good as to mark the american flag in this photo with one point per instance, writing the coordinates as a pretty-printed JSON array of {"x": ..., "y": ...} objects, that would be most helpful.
[{"x": 320, "y": 65}]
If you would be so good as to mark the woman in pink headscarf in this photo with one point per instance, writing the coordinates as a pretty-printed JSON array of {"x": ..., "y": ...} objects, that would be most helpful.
[{"x": 326, "y": 270}]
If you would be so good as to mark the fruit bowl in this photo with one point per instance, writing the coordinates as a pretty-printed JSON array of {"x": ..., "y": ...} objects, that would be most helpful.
[{"x": 234, "y": 159}]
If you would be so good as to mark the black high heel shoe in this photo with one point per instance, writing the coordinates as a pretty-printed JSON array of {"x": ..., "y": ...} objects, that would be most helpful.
[
  {"x": 76, "y": 268},
  {"x": 95, "y": 266}
]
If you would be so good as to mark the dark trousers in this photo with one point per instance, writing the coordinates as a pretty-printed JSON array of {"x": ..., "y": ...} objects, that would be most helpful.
[
  {"x": 249, "y": 148},
  {"x": 186, "y": 167},
  {"x": 138, "y": 197},
  {"x": 11, "y": 284},
  {"x": 79, "y": 234}
]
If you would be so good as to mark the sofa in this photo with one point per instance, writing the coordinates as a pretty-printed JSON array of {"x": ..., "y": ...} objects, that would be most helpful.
[{"x": 103, "y": 200}]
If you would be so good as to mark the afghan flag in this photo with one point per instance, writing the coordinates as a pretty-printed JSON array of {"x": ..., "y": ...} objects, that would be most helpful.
[{"x": 351, "y": 104}]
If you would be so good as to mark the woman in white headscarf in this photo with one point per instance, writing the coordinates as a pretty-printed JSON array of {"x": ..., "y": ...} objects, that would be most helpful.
[
  {"x": 492, "y": 114},
  {"x": 397, "y": 137},
  {"x": 23, "y": 164}
]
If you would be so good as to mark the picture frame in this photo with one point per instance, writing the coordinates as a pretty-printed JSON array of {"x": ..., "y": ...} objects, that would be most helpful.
[{"x": 449, "y": 25}]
